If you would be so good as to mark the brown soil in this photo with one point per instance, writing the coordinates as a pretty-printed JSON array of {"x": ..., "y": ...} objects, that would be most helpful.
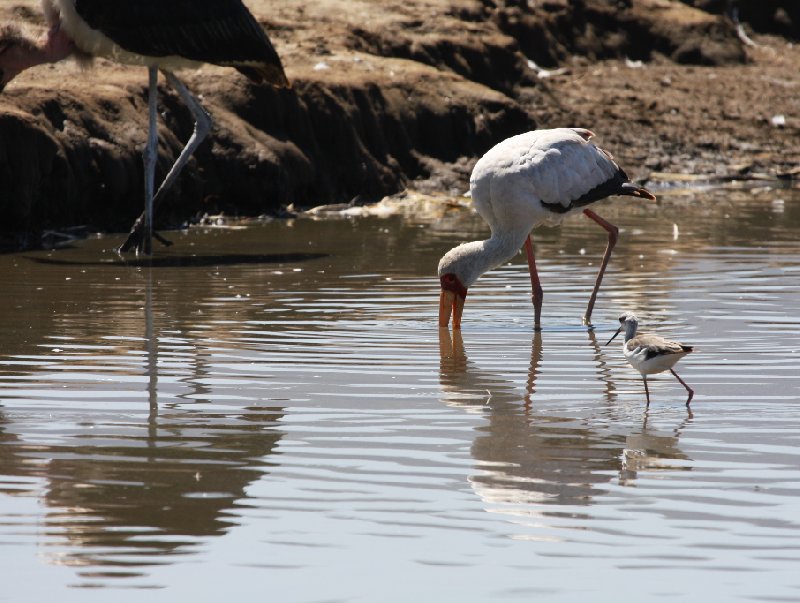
[{"x": 388, "y": 95}]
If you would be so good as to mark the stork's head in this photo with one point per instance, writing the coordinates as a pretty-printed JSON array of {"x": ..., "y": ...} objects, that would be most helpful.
[
  {"x": 451, "y": 300},
  {"x": 458, "y": 270}
]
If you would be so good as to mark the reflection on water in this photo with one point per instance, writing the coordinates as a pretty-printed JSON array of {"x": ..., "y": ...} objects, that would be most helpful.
[
  {"x": 265, "y": 409},
  {"x": 526, "y": 458},
  {"x": 529, "y": 458}
]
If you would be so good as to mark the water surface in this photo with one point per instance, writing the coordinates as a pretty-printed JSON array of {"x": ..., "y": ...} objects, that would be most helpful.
[{"x": 272, "y": 411}]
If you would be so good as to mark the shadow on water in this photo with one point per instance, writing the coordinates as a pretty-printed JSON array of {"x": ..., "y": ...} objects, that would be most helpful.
[{"x": 189, "y": 261}]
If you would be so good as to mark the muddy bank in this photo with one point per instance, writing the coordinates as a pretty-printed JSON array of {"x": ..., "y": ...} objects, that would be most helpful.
[
  {"x": 68, "y": 157},
  {"x": 388, "y": 95}
]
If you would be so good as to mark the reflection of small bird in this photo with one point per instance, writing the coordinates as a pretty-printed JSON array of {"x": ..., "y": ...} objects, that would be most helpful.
[
  {"x": 524, "y": 181},
  {"x": 650, "y": 354},
  {"x": 161, "y": 35}
]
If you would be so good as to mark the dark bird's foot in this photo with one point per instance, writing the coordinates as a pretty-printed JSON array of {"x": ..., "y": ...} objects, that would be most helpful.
[{"x": 136, "y": 239}]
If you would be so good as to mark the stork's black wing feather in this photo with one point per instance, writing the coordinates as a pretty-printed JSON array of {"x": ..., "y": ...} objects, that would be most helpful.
[
  {"x": 613, "y": 186},
  {"x": 222, "y": 32}
]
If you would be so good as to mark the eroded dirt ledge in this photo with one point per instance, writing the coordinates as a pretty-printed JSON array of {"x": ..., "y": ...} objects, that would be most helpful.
[{"x": 386, "y": 93}]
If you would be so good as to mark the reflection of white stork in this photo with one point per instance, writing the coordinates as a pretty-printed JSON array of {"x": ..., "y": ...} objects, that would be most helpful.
[
  {"x": 163, "y": 35},
  {"x": 522, "y": 182}
]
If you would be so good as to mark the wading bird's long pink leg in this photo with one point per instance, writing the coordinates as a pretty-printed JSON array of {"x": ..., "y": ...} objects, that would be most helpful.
[
  {"x": 646, "y": 390},
  {"x": 536, "y": 287},
  {"x": 683, "y": 383},
  {"x": 613, "y": 235}
]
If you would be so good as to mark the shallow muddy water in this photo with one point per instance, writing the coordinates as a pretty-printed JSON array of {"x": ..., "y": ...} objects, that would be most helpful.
[{"x": 272, "y": 411}]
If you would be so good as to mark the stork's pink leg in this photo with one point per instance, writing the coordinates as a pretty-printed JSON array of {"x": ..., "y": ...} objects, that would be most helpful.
[
  {"x": 683, "y": 383},
  {"x": 537, "y": 295},
  {"x": 613, "y": 235}
]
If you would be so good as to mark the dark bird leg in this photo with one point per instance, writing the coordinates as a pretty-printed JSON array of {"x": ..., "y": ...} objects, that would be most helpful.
[
  {"x": 138, "y": 237},
  {"x": 536, "y": 287},
  {"x": 141, "y": 234},
  {"x": 150, "y": 157},
  {"x": 202, "y": 127},
  {"x": 646, "y": 390},
  {"x": 683, "y": 383},
  {"x": 613, "y": 235}
]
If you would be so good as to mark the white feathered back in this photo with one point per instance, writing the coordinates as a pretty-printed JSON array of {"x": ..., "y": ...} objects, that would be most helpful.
[{"x": 554, "y": 166}]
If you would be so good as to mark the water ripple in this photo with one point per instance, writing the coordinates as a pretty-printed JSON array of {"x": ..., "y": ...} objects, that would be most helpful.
[{"x": 285, "y": 404}]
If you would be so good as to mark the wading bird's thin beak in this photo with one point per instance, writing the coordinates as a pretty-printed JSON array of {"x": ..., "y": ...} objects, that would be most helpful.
[
  {"x": 451, "y": 300},
  {"x": 614, "y": 336},
  {"x": 450, "y": 303},
  {"x": 446, "y": 302}
]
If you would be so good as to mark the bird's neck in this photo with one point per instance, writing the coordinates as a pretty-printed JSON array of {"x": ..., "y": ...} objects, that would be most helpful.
[
  {"x": 500, "y": 248},
  {"x": 56, "y": 45},
  {"x": 471, "y": 260},
  {"x": 52, "y": 47},
  {"x": 630, "y": 331}
]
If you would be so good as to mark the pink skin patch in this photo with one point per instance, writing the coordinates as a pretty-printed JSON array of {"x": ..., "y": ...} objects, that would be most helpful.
[
  {"x": 450, "y": 282},
  {"x": 58, "y": 45},
  {"x": 17, "y": 56}
]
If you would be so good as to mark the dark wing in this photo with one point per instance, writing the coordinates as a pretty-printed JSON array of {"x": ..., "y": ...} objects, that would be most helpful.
[
  {"x": 568, "y": 172},
  {"x": 222, "y": 32},
  {"x": 618, "y": 184},
  {"x": 657, "y": 346}
]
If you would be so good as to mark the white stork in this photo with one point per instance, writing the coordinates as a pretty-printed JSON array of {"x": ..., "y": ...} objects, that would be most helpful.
[
  {"x": 650, "y": 354},
  {"x": 524, "y": 181},
  {"x": 162, "y": 35}
]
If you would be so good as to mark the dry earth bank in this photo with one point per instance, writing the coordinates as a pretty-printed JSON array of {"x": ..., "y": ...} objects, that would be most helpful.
[{"x": 388, "y": 95}]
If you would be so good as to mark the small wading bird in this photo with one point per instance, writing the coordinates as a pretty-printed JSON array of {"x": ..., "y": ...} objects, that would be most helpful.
[
  {"x": 527, "y": 180},
  {"x": 650, "y": 354},
  {"x": 161, "y": 34}
]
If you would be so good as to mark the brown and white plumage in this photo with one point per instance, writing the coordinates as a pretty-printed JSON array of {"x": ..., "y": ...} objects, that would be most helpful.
[
  {"x": 163, "y": 35},
  {"x": 650, "y": 354},
  {"x": 527, "y": 180}
]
